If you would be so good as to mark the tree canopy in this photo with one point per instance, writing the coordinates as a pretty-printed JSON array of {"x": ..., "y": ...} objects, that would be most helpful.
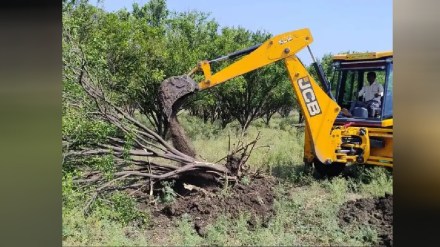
[{"x": 129, "y": 53}]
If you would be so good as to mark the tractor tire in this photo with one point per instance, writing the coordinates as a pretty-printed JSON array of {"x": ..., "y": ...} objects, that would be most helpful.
[{"x": 332, "y": 170}]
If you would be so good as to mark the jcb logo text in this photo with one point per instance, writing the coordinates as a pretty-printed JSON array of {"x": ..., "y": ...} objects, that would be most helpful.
[
  {"x": 285, "y": 40},
  {"x": 309, "y": 96}
]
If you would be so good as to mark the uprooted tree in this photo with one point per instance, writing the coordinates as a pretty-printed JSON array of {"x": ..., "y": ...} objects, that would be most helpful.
[
  {"x": 114, "y": 131},
  {"x": 140, "y": 156}
]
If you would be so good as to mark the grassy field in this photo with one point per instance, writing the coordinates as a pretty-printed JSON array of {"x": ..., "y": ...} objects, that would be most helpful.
[{"x": 306, "y": 208}]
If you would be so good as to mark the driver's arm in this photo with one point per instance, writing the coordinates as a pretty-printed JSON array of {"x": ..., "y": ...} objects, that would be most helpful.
[
  {"x": 379, "y": 91},
  {"x": 361, "y": 93}
]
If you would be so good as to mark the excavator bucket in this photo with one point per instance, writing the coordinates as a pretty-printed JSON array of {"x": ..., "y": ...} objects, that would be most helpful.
[{"x": 174, "y": 90}]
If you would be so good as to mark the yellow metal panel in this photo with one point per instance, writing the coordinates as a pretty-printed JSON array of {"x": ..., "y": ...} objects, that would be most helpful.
[
  {"x": 363, "y": 56},
  {"x": 386, "y": 151},
  {"x": 387, "y": 123},
  {"x": 381, "y": 130},
  {"x": 319, "y": 109},
  {"x": 381, "y": 135},
  {"x": 308, "y": 151}
]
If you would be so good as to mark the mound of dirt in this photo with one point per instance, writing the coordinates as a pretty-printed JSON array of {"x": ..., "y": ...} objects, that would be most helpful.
[
  {"x": 204, "y": 205},
  {"x": 376, "y": 212}
]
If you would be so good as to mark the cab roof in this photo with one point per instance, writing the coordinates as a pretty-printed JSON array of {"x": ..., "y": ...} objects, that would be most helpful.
[{"x": 363, "y": 56}]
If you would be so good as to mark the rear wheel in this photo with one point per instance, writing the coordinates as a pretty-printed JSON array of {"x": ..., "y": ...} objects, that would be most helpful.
[{"x": 332, "y": 170}]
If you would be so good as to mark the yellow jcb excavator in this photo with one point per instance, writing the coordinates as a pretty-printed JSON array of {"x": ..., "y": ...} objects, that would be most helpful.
[{"x": 333, "y": 138}]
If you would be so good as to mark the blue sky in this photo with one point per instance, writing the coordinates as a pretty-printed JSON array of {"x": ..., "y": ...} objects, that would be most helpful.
[{"x": 336, "y": 25}]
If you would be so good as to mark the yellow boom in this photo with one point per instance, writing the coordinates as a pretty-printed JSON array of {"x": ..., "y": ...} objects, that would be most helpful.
[{"x": 323, "y": 138}]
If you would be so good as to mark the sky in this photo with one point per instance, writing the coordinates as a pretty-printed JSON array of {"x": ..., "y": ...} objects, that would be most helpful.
[{"x": 336, "y": 25}]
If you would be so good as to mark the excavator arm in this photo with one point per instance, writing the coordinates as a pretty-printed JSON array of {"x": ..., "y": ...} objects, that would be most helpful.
[
  {"x": 319, "y": 109},
  {"x": 278, "y": 47}
]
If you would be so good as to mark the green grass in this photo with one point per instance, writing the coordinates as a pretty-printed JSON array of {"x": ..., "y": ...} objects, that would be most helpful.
[
  {"x": 306, "y": 208},
  {"x": 372, "y": 181},
  {"x": 99, "y": 230},
  {"x": 114, "y": 221}
]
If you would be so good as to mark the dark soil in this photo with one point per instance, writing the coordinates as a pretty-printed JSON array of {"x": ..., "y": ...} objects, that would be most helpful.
[
  {"x": 174, "y": 90},
  {"x": 205, "y": 205},
  {"x": 199, "y": 197},
  {"x": 180, "y": 141},
  {"x": 375, "y": 212},
  {"x": 172, "y": 94}
]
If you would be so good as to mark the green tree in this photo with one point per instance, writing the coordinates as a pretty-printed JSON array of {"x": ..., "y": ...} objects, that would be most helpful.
[
  {"x": 125, "y": 52},
  {"x": 131, "y": 53}
]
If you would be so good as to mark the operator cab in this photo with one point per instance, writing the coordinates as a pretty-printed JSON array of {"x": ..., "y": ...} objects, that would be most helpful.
[{"x": 350, "y": 74}]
